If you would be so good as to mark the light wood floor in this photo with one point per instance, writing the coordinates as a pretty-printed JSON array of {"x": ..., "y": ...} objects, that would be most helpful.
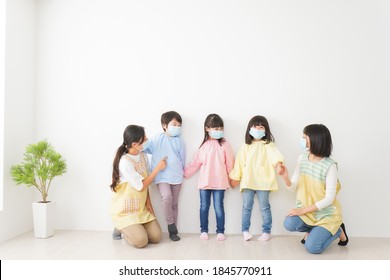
[{"x": 98, "y": 245}]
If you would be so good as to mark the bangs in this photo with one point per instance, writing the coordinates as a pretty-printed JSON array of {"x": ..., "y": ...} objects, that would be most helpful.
[
  {"x": 259, "y": 123},
  {"x": 216, "y": 122}
]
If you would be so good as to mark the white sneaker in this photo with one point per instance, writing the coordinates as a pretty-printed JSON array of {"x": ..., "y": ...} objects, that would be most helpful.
[
  {"x": 264, "y": 237},
  {"x": 247, "y": 236},
  {"x": 204, "y": 236},
  {"x": 221, "y": 237}
]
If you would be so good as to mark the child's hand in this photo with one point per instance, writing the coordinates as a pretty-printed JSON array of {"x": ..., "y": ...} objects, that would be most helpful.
[
  {"x": 234, "y": 183},
  {"x": 280, "y": 168}
]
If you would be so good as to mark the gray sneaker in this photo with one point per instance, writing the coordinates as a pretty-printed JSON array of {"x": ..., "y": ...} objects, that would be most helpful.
[{"x": 116, "y": 234}]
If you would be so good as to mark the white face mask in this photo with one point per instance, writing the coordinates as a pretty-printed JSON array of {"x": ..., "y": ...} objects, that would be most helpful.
[
  {"x": 216, "y": 134},
  {"x": 174, "y": 130},
  {"x": 302, "y": 144},
  {"x": 257, "y": 133},
  {"x": 145, "y": 145}
]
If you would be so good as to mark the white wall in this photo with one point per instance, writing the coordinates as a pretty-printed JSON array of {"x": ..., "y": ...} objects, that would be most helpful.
[
  {"x": 2, "y": 88},
  {"x": 16, "y": 216},
  {"x": 102, "y": 65}
]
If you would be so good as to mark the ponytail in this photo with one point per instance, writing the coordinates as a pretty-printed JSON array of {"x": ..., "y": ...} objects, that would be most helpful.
[
  {"x": 132, "y": 133},
  {"x": 115, "y": 166}
]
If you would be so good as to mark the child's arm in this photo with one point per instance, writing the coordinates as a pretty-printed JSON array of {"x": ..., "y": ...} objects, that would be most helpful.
[
  {"x": 229, "y": 157},
  {"x": 182, "y": 153},
  {"x": 276, "y": 157},
  {"x": 195, "y": 164},
  {"x": 236, "y": 173}
]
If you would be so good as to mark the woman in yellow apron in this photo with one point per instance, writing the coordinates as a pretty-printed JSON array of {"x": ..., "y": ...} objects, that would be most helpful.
[
  {"x": 131, "y": 209},
  {"x": 315, "y": 179}
]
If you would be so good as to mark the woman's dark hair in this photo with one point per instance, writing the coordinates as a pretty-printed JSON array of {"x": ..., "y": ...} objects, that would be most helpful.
[
  {"x": 320, "y": 140},
  {"x": 132, "y": 134},
  {"x": 212, "y": 121},
  {"x": 256, "y": 121},
  {"x": 167, "y": 117}
]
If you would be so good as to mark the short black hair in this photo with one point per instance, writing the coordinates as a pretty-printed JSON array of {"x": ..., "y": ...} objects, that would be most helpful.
[
  {"x": 320, "y": 139},
  {"x": 167, "y": 117}
]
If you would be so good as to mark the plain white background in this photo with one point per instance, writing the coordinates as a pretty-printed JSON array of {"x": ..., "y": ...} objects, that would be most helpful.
[
  {"x": 78, "y": 72},
  {"x": 2, "y": 87}
]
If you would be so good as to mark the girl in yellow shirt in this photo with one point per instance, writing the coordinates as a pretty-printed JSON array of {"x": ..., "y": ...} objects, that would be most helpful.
[{"x": 254, "y": 171}]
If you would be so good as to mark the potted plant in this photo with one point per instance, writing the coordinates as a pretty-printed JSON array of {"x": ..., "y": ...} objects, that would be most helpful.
[{"x": 40, "y": 165}]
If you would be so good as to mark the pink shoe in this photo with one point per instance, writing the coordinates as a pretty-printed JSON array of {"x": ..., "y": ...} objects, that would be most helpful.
[
  {"x": 204, "y": 236},
  {"x": 221, "y": 237}
]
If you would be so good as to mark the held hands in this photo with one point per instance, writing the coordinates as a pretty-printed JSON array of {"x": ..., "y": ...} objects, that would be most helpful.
[
  {"x": 234, "y": 183},
  {"x": 282, "y": 171},
  {"x": 280, "y": 168}
]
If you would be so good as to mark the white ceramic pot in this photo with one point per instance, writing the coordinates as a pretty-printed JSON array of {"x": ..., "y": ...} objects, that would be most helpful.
[{"x": 44, "y": 218}]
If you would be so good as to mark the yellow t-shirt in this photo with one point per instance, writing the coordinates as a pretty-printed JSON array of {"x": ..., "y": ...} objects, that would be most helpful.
[{"x": 255, "y": 166}]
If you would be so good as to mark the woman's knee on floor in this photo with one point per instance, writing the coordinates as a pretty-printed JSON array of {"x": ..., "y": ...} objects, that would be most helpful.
[
  {"x": 153, "y": 230},
  {"x": 313, "y": 248},
  {"x": 138, "y": 241},
  {"x": 155, "y": 236}
]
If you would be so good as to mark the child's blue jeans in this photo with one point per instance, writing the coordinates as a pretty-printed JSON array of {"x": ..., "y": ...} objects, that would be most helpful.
[
  {"x": 205, "y": 201},
  {"x": 247, "y": 206}
]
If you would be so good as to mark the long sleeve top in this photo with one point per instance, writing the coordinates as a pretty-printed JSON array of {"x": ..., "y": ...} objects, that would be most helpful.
[
  {"x": 128, "y": 203},
  {"x": 127, "y": 172},
  {"x": 215, "y": 162},
  {"x": 317, "y": 183},
  {"x": 255, "y": 166},
  {"x": 331, "y": 181},
  {"x": 163, "y": 145}
]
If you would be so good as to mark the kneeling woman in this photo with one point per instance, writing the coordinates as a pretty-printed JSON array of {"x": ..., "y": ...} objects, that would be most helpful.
[
  {"x": 131, "y": 208},
  {"x": 315, "y": 179}
]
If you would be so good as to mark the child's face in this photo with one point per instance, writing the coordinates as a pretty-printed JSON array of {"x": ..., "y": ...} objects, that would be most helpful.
[
  {"x": 259, "y": 127},
  {"x": 208, "y": 129},
  {"x": 173, "y": 122},
  {"x": 215, "y": 132},
  {"x": 139, "y": 145}
]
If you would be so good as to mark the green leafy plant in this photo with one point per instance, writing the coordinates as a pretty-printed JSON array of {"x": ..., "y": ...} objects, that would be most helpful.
[{"x": 40, "y": 165}]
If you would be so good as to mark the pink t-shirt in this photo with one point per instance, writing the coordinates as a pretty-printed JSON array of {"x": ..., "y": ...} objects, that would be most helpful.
[{"x": 215, "y": 163}]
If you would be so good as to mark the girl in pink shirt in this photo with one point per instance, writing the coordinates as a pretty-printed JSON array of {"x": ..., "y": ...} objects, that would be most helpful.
[{"x": 215, "y": 159}]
